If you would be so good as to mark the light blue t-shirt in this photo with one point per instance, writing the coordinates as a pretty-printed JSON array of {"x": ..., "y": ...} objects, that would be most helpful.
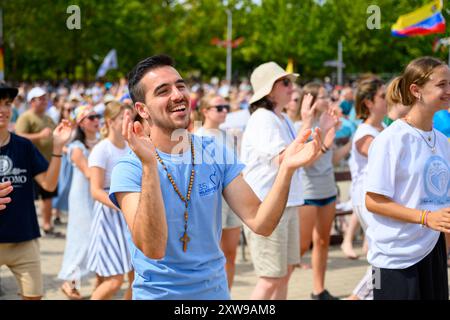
[{"x": 198, "y": 273}]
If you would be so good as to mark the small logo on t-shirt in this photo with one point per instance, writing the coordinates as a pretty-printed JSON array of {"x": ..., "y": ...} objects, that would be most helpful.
[
  {"x": 436, "y": 181},
  {"x": 6, "y": 165},
  {"x": 209, "y": 187},
  {"x": 8, "y": 173}
]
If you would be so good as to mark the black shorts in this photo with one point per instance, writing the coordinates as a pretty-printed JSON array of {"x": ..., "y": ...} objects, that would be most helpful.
[
  {"x": 426, "y": 280},
  {"x": 41, "y": 193}
]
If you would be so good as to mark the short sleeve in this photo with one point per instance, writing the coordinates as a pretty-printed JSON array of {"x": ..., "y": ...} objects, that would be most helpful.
[
  {"x": 38, "y": 163},
  {"x": 74, "y": 145},
  {"x": 382, "y": 166},
  {"x": 232, "y": 168},
  {"x": 126, "y": 177},
  {"x": 266, "y": 136},
  {"x": 22, "y": 124},
  {"x": 98, "y": 156}
]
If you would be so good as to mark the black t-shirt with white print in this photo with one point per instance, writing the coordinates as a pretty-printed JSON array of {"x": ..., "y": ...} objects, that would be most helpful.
[{"x": 20, "y": 162}]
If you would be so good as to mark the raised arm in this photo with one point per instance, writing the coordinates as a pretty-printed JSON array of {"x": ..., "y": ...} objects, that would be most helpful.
[
  {"x": 263, "y": 217},
  {"x": 144, "y": 212},
  {"x": 48, "y": 180}
]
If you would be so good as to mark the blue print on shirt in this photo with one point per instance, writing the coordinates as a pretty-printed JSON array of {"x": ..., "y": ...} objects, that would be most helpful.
[
  {"x": 210, "y": 186},
  {"x": 436, "y": 181}
]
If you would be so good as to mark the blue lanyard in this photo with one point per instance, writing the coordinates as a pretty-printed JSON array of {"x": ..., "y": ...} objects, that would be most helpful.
[{"x": 291, "y": 132}]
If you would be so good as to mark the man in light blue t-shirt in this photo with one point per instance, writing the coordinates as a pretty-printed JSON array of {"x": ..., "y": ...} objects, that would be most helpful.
[{"x": 170, "y": 190}]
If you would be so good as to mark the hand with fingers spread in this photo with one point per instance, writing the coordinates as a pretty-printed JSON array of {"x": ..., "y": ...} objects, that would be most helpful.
[
  {"x": 138, "y": 141},
  {"x": 307, "y": 109},
  {"x": 299, "y": 153},
  {"x": 439, "y": 220},
  {"x": 328, "y": 120},
  {"x": 62, "y": 134},
  {"x": 5, "y": 189}
]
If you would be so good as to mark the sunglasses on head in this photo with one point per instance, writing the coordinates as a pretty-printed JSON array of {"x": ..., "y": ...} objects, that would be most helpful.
[
  {"x": 221, "y": 107},
  {"x": 92, "y": 117},
  {"x": 285, "y": 81}
]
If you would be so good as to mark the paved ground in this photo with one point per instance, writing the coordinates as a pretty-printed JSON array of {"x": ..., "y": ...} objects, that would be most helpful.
[{"x": 342, "y": 276}]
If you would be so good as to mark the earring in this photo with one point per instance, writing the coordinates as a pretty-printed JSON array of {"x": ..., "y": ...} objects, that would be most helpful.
[{"x": 420, "y": 97}]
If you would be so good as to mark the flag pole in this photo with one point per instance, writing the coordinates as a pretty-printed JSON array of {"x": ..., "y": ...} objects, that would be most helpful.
[{"x": 229, "y": 34}]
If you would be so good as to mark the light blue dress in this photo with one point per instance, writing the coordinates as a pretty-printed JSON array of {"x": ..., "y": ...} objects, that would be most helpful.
[
  {"x": 81, "y": 207},
  {"x": 61, "y": 201}
]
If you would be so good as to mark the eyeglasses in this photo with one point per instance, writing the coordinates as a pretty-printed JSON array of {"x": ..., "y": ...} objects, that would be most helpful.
[
  {"x": 92, "y": 117},
  {"x": 285, "y": 81},
  {"x": 221, "y": 107}
]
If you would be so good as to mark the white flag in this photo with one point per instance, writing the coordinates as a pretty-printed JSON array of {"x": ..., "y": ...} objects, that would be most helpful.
[{"x": 110, "y": 62}]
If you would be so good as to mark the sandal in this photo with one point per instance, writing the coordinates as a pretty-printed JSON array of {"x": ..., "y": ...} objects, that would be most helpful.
[
  {"x": 70, "y": 291},
  {"x": 52, "y": 233}
]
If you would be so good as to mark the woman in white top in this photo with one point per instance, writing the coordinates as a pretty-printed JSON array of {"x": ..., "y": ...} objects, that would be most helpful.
[
  {"x": 371, "y": 107},
  {"x": 408, "y": 191},
  {"x": 212, "y": 113},
  {"x": 108, "y": 255},
  {"x": 266, "y": 136}
]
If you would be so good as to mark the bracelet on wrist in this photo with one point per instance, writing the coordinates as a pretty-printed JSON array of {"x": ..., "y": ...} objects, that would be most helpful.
[
  {"x": 56, "y": 155},
  {"x": 425, "y": 221},
  {"x": 422, "y": 217}
]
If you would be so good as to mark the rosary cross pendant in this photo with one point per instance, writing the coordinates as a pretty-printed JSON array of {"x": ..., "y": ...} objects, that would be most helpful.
[{"x": 185, "y": 239}]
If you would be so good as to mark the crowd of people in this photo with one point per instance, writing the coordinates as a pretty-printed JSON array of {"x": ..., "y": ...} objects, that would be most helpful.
[{"x": 158, "y": 180}]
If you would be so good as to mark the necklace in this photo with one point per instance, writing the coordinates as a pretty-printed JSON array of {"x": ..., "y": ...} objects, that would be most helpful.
[
  {"x": 185, "y": 239},
  {"x": 428, "y": 139}
]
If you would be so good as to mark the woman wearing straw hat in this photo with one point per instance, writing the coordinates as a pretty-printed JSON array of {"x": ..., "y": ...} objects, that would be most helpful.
[{"x": 266, "y": 136}]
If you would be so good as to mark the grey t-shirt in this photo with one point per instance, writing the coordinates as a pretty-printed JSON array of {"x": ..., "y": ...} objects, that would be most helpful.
[{"x": 318, "y": 179}]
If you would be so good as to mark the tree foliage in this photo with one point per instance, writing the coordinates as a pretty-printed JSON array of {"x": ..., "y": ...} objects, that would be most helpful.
[{"x": 38, "y": 44}]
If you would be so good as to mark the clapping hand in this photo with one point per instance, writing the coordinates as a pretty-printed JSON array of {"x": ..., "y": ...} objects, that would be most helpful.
[
  {"x": 5, "y": 189},
  {"x": 307, "y": 110},
  {"x": 138, "y": 141},
  {"x": 328, "y": 120},
  {"x": 62, "y": 134},
  {"x": 300, "y": 153}
]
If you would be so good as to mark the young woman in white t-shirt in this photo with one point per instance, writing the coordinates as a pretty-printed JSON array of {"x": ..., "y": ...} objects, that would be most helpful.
[
  {"x": 371, "y": 107},
  {"x": 108, "y": 254},
  {"x": 408, "y": 191},
  {"x": 212, "y": 112}
]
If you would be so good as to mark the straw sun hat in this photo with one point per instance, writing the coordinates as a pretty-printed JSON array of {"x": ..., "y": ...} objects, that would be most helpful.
[{"x": 264, "y": 77}]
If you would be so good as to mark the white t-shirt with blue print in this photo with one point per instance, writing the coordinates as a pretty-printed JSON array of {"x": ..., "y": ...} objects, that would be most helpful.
[
  {"x": 199, "y": 272},
  {"x": 403, "y": 168}
]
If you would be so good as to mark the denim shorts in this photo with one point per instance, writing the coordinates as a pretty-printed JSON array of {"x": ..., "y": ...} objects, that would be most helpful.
[{"x": 319, "y": 202}]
